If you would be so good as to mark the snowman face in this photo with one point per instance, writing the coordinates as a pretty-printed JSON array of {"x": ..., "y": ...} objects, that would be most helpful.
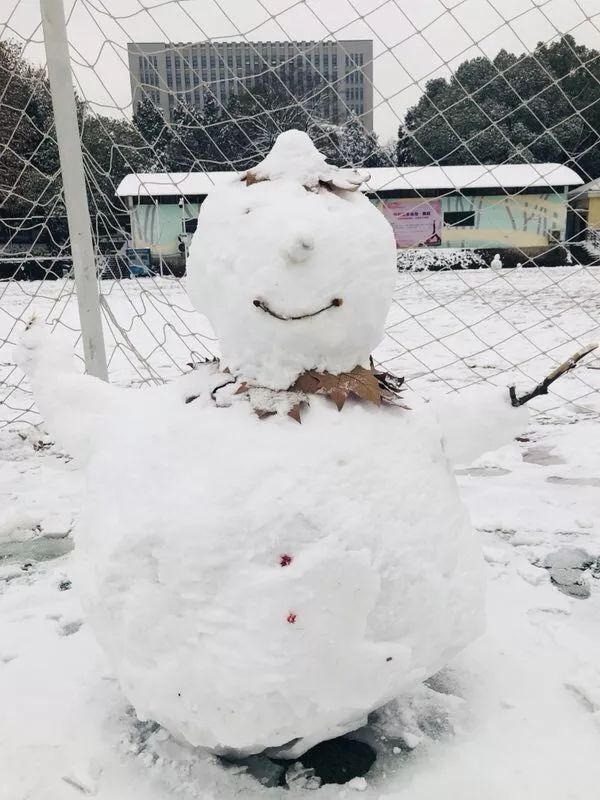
[{"x": 291, "y": 279}]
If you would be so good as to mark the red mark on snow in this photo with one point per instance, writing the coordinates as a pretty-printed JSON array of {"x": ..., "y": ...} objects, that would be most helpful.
[
  {"x": 291, "y": 618},
  {"x": 285, "y": 560}
]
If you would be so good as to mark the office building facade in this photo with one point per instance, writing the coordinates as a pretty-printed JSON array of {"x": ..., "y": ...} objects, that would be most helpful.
[{"x": 341, "y": 72}]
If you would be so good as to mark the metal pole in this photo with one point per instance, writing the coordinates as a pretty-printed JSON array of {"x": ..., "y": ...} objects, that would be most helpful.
[{"x": 73, "y": 177}]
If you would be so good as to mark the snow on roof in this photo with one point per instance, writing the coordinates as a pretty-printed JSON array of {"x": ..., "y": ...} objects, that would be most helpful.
[
  {"x": 471, "y": 176},
  {"x": 383, "y": 179},
  {"x": 593, "y": 188},
  {"x": 156, "y": 184}
]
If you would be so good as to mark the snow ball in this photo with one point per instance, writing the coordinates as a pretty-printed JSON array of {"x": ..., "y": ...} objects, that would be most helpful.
[
  {"x": 358, "y": 784},
  {"x": 292, "y": 279}
]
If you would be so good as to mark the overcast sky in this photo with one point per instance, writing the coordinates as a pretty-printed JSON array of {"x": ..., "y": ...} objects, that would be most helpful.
[{"x": 414, "y": 40}]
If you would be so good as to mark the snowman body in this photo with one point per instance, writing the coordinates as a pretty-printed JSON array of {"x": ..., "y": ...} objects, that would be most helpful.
[
  {"x": 275, "y": 582},
  {"x": 259, "y": 583}
]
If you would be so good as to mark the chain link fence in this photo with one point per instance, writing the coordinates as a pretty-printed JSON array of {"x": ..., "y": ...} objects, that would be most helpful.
[{"x": 482, "y": 143}]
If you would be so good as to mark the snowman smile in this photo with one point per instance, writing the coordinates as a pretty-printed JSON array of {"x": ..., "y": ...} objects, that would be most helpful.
[{"x": 335, "y": 303}]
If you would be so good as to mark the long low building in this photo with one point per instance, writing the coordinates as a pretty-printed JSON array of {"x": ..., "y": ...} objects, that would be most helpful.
[{"x": 517, "y": 206}]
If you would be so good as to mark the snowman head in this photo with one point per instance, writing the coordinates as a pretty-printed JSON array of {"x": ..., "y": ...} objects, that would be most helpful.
[{"x": 294, "y": 268}]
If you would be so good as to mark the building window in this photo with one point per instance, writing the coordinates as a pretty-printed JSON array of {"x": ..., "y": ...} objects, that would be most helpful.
[{"x": 459, "y": 219}]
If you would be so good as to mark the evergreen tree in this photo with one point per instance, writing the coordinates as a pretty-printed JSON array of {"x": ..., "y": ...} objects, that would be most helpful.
[
  {"x": 212, "y": 150},
  {"x": 182, "y": 153},
  {"x": 359, "y": 147},
  {"x": 154, "y": 131},
  {"x": 30, "y": 188},
  {"x": 31, "y": 195},
  {"x": 111, "y": 149},
  {"x": 403, "y": 155},
  {"x": 541, "y": 106}
]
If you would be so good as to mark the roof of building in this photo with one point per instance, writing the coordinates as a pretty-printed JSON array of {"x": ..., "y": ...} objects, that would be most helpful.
[
  {"x": 157, "y": 184},
  {"x": 383, "y": 179},
  {"x": 591, "y": 188},
  {"x": 472, "y": 176}
]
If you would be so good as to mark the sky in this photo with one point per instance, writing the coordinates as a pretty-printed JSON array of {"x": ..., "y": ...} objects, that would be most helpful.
[{"x": 413, "y": 40}]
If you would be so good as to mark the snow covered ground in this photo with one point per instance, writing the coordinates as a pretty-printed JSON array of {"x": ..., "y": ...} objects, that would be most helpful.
[{"x": 516, "y": 716}]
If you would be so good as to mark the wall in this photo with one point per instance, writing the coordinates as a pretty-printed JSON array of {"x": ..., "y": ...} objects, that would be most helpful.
[
  {"x": 594, "y": 212},
  {"x": 158, "y": 227},
  {"x": 516, "y": 221},
  {"x": 521, "y": 220},
  {"x": 507, "y": 220}
]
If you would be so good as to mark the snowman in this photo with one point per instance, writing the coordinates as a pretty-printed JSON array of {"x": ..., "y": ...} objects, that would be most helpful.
[
  {"x": 496, "y": 263},
  {"x": 274, "y": 545}
]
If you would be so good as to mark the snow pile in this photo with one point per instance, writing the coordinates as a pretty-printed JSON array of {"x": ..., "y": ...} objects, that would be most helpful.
[
  {"x": 323, "y": 259},
  {"x": 526, "y": 727},
  {"x": 530, "y": 686},
  {"x": 591, "y": 243},
  {"x": 419, "y": 259}
]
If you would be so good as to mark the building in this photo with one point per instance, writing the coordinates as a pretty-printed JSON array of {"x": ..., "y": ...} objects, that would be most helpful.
[
  {"x": 479, "y": 206},
  {"x": 169, "y": 72},
  {"x": 511, "y": 206},
  {"x": 585, "y": 202}
]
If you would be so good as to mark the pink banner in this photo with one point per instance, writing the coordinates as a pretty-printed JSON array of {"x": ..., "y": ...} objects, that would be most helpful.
[{"x": 416, "y": 223}]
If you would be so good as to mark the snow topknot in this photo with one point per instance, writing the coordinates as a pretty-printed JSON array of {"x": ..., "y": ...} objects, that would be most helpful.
[{"x": 294, "y": 157}]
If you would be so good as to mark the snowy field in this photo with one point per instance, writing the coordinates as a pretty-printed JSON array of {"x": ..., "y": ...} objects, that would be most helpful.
[{"x": 516, "y": 716}]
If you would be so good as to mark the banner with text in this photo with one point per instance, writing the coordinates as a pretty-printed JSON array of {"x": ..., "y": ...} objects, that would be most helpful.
[{"x": 416, "y": 222}]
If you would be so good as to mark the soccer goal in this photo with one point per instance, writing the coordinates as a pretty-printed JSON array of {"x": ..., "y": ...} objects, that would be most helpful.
[{"x": 479, "y": 130}]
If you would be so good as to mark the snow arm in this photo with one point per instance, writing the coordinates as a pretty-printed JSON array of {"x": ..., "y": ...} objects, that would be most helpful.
[
  {"x": 476, "y": 421},
  {"x": 73, "y": 405}
]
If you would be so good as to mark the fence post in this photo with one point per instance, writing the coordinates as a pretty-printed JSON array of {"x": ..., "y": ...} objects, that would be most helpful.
[{"x": 73, "y": 177}]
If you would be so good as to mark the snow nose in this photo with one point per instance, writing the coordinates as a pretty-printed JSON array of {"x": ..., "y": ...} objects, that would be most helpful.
[{"x": 300, "y": 249}]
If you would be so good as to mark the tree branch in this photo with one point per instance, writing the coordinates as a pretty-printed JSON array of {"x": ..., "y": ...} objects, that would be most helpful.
[{"x": 542, "y": 388}]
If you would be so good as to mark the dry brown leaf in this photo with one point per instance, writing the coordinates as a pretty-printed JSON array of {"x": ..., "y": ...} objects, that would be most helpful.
[
  {"x": 370, "y": 385},
  {"x": 251, "y": 177},
  {"x": 294, "y": 412},
  {"x": 308, "y": 382},
  {"x": 263, "y": 413},
  {"x": 242, "y": 388},
  {"x": 362, "y": 384}
]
